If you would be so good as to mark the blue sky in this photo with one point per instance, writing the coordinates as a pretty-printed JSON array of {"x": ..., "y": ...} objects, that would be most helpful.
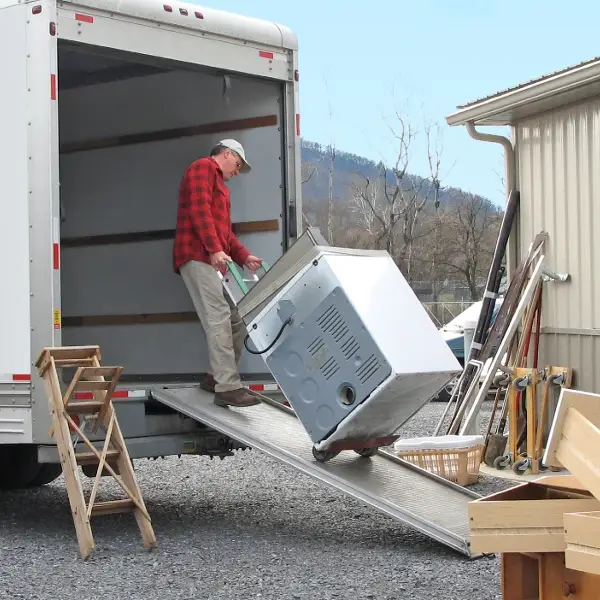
[{"x": 359, "y": 61}]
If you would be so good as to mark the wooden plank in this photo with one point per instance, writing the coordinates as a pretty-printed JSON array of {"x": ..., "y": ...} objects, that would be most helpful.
[
  {"x": 587, "y": 404},
  {"x": 89, "y": 458},
  {"x": 68, "y": 462},
  {"x": 582, "y": 534},
  {"x": 558, "y": 582},
  {"x": 255, "y": 226},
  {"x": 143, "y": 319},
  {"x": 92, "y": 386},
  {"x": 520, "y": 577},
  {"x": 112, "y": 507},
  {"x": 79, "y": 407},
  {"x": 169, "y": 134},
  {"x": 578, "y": 448},
  {"x": 528, "y": 518},
  {"x": 92, "y": 371},
  {"x": 160, "y": 234}
]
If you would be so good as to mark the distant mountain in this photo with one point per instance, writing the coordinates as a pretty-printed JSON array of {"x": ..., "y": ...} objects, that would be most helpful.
[
  {"x": 349, "y": 168},
  {"x": 442, "y": 238}
]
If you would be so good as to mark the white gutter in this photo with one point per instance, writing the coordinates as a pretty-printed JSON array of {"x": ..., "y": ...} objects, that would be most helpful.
[
  {"x": 511, "y": 184},
  {"x": 509, "y": 153},
  {"x": 555, "y": 84}
]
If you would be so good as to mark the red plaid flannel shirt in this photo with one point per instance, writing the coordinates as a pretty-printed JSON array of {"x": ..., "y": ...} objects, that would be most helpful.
[{"x": 204, "y": 218}]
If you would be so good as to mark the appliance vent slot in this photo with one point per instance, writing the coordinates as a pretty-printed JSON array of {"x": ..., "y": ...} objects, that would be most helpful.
[
  {"x": 350, "y": 347},
  {"x": 330, "y": 368},
  {"x": 333, "y": 323},
  {"x": 368, "y": 369},
  {"x": 316, "y": 346}
]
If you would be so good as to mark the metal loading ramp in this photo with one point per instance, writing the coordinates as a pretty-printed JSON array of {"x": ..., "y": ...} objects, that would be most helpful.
[{"x": 428, "y": 503}]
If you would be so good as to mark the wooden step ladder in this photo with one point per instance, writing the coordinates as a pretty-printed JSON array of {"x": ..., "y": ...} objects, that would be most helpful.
[{"x": 67, "y": 414}]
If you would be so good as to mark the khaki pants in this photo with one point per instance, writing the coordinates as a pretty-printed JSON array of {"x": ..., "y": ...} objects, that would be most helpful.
[{"x": 224, "y": 329}]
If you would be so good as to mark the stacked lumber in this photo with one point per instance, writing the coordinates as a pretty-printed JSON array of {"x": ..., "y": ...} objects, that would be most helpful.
[{"x": 548, "y": 530}]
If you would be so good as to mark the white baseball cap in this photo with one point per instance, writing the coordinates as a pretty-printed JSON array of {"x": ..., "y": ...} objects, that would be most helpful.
[{"x": 238, "y": 149}]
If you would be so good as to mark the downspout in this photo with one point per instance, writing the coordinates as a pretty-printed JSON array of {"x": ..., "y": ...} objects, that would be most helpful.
[{"x": 511, "y": 178}]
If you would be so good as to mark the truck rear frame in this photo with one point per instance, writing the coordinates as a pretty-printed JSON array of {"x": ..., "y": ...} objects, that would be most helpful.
[{"x": 69, "y": 151}]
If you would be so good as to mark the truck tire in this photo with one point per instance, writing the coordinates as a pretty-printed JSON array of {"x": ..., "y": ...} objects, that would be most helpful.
[
  {"x": 47, "y": 474},
  {"x": 18, "y": 466},
  {"x": 20, "y": 469}
]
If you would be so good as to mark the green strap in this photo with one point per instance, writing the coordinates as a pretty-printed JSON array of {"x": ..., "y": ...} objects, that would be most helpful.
[{"x": 238, "y": 276}]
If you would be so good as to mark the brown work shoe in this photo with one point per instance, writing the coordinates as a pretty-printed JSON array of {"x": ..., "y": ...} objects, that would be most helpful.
[
  {"x": 208, "y": 384},
  {"x": 239, "y": 397}
]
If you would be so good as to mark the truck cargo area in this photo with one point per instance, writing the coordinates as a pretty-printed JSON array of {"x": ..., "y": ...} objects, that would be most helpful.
[
  {"x": 128, "y": 128},
  {"x": 430, "y": 504}
]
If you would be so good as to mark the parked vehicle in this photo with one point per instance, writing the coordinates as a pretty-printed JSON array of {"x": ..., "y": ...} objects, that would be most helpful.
[{"x": 454, "y": 334}]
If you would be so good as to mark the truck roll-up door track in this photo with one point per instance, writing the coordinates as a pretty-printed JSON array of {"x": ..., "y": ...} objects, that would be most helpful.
[
  {"x": 169, "y": 134},
  {"x": 160, "y": 234}
]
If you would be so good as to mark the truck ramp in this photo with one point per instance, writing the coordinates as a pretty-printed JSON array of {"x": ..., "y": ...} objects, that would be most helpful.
[{"x": 421, "y": 500}]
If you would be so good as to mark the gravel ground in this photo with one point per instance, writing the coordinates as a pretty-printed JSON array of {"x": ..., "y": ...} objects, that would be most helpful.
[{"x": 243, "y": 527}]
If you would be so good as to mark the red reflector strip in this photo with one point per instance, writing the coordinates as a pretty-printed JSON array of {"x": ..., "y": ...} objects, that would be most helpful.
[
  {"x": 297, "y": 124},
  {"x": 264, "y": 54},
  {"x": 116, "y": 394},
  {"x": 264, "y": 387},
  {"x": 56, "y": 256},
  {"x": 21, "y": 377},
  {"x": 84, "y": 18},
  {"x": 53, "y": 86}
]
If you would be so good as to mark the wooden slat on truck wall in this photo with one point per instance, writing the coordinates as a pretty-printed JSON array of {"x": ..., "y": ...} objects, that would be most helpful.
[
  {"x": 162, "y": 234},
  {"x": 169, "y": 134},
  {"x": 142, "y": 319}
]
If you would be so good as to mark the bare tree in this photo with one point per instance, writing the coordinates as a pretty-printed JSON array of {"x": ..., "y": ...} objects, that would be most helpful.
[
  {"x": 307, "y": 172},
  {"x": 470, "y": 229},
  {"x": 389, "y": 206},
  {"x": 330, "y": 200}
]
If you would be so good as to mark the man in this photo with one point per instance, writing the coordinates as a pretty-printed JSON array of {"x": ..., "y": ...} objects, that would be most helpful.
[{"x": 204, "y": 243}]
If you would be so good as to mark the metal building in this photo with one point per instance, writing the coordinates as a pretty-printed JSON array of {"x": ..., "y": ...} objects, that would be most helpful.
[{"x": 553, "y": 159}]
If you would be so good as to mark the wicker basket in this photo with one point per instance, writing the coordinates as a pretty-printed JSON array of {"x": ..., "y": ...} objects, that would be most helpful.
[{"x": 460, "y": 465}]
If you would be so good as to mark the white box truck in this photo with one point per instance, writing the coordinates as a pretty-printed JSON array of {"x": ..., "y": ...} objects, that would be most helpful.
[{"x": 104, "y": 103}]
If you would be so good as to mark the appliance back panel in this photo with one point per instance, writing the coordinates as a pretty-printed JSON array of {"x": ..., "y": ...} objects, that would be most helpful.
[{"x": 328, "y": 364}]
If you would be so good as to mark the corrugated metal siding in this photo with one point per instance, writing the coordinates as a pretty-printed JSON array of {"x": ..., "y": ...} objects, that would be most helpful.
[{"x": 558, "y": 161}]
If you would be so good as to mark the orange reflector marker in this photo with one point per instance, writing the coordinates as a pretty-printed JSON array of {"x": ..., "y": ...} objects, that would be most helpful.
[{"x": 84, "y": 18}]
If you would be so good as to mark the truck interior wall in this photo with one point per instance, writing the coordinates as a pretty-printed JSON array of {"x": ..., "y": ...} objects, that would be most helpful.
[{"x": 133, "y": 187}]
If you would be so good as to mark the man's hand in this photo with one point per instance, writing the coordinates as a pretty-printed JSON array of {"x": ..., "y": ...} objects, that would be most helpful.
[
  {"x": 253, "y": 263},
  {"x": 219, "y": 261}
]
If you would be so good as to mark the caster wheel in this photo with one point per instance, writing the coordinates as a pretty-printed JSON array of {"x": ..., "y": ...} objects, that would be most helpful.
[
  {"x": 366, "y": 452},
  {"x": 519, "y": 468},
  {"x": 323, "y": 456},
  {"x": 501, "y": 462}
]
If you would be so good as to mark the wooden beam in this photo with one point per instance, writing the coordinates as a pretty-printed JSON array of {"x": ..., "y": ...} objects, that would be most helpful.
[
  {"x": 161, "y": 234},
  {"x": 169, "y": 134},
  {"x": 141, "y": 319}
]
